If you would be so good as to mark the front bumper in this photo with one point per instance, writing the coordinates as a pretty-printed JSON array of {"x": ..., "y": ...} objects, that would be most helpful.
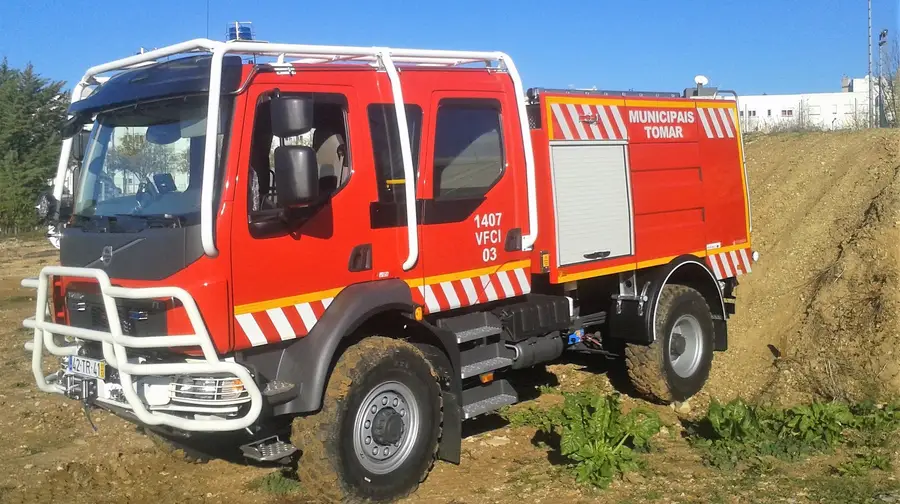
[{"x": 134, "y": 372}]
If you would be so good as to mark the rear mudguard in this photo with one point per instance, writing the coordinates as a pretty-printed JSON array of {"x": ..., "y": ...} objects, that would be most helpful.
[{"x": 636, "y": 323}]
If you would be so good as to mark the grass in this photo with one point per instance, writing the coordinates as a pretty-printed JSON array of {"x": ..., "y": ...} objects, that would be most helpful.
[
  {"x": 828, "y": 452},
  {"x": 739, "y": 433},
  {"x": 276, "y": 483}
]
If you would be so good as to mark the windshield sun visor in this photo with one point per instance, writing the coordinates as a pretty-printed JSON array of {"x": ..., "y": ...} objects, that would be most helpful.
[{"x": 182, "y": 76}]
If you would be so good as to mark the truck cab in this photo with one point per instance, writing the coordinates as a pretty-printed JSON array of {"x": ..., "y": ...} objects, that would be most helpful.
[{"x": 349, "y": 251}]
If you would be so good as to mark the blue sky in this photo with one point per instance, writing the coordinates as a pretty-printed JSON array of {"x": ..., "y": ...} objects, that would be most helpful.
[{"x": 771, "y": 46}]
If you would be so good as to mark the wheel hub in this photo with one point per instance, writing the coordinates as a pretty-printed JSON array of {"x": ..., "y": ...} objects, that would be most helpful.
[
  {"x": 678, "y": 345},
  {"x": 686, "y": 346},
  {"x": 387, "y": 427}
]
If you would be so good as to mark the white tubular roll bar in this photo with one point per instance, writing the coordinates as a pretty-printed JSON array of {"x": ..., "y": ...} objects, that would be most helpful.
[
  {"x": 409, "y": 189},
  {"x": 115, "y": 345},
  {"x": 315, "y": 54},
  {"x": 61, "y": 167}
]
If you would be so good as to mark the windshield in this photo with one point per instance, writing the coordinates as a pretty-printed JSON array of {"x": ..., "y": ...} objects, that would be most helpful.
[{"x": 147, "y": 159}]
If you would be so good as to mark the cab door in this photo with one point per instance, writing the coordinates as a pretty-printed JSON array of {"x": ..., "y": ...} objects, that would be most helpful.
[
  {"x": 283, "y": 281},
  {"x": 474, "y": 207}
]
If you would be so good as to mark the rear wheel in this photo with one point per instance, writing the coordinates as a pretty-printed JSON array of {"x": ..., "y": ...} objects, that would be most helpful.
[
  {"x": 377, "y": 433},
  {"x": 677, "y": 364}
]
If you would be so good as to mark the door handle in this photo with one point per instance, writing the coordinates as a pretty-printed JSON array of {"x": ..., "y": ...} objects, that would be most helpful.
[
  {"x": 360, "y": 258},
  {"x": 600, "y": 254}
]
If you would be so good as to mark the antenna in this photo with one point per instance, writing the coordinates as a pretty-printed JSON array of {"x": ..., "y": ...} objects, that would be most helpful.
[{"x": 701, "y": 81}]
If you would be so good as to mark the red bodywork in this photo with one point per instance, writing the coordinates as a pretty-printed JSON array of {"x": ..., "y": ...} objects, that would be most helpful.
[
  {"x": 688, "y": 195},
  {"x": 688, "y": 191}
]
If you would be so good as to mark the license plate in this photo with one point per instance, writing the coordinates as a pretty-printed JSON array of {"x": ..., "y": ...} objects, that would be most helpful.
[{"x": 87, "y": 367}]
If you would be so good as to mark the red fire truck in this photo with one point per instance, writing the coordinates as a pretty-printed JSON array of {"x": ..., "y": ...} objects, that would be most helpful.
[{"x": 347, "y": 251}]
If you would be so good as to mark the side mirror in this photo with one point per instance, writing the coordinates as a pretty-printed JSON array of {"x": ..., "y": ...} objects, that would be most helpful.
[
  {"x": 45, "y": 207},
  {"x": 74, "y": 124},
  {"x": 79, "y": 144},
  {"x": 291, "y": 115},
  {"x": 66, "y": 207},
  {"x": 296, "y": 175}
]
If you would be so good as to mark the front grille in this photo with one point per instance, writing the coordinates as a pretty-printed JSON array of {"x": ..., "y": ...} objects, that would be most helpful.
[
  {"x": 99, "y": 320},
  {"x": 135, "y": 319}
]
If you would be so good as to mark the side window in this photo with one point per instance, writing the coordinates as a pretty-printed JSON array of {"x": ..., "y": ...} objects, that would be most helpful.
[
  {"x": 386, "y": 148},
  {"x": 328, "y": 137},
  {"x": 468, "y": 148}
]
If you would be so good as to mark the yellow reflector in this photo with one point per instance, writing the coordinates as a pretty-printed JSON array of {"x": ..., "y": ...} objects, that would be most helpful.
[
  {"x": 486, "y": 377},
  {"x": 419, "y": 313}
]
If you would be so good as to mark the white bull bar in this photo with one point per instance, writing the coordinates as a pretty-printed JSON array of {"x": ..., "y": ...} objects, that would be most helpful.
[{"x": 115, "y": 343}]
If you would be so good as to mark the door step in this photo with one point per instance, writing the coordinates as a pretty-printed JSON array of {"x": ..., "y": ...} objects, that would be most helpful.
[
  {"x": 472, "y": 326},
  {"x": 484, "y": 358},
  {"x": 270, "y": 449},
  {"x": 477, "y": 333},
  {"x": 487, "y": 398},
  {"x": 484, "y": 366}
]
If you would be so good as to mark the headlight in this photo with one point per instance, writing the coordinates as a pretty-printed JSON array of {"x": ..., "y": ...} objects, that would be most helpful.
[{"x": 208, "y": 390}]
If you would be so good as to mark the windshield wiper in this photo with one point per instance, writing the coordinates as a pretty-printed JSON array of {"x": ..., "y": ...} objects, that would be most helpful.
[
  {"x": 177, "y": 220},
  {"x": 101, "y": 223}
]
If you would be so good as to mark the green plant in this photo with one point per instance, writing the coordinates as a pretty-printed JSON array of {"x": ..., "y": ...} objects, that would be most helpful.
[
  {"x": 739, "y": 431},
  {"x": 816, "y": 424},
  {"x": 541, "y": 419},
  {"x": 862, "y": 463},
  {"x": 595, "y": 436},
  {"x": 276, "y": 483},
  {"x": 547, "y": 389},
  {"x": 600, "y": 440}
]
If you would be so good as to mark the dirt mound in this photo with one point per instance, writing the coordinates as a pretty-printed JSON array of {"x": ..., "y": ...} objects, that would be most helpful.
[{"x": 818, "y": 314}]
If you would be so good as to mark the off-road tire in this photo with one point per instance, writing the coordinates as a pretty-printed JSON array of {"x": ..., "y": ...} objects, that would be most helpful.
[
  {"x": 649, "y": 366},
  {"x": 328, "y": 468}
]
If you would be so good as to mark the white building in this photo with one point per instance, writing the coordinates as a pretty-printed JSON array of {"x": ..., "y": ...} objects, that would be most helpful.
[{"x": 845, "y": 109}]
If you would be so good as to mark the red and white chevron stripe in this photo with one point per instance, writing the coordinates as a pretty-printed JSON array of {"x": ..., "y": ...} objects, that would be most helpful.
[
  {"x": 587, "y": 122},
  {"x": 730, "y": 264},
  {"x": 279, "y": 324},
  {"x": 289, "y": 322},
  {"x": 718, "y": 122},
  {"x": 471, "y": 291}
]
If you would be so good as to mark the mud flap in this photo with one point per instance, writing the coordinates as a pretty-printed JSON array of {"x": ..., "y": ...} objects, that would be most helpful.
[
  {"x": 720, "y": 341},
  {"x": 450, "y": 448}
]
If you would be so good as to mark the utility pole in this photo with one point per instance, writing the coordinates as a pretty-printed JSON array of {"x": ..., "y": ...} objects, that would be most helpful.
[
  {"x": 871, "y": 91},
  {"x": 882, "y": 61}
]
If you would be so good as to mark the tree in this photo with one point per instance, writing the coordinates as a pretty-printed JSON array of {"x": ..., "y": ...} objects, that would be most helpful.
[
  {"x": 32, "y": 109},
  {"x": 888, "y": 82}
]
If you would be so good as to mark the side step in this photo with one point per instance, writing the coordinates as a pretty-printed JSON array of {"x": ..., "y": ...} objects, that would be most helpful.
[
  {"x": 487, "y": 398},
  {"x": 484, "y": 366},
  {"x": 484, "y": 358},
  {"x": 270, "y": 449},
  {"x": 472, "y": 326},
  {"x": 277, "y": 392}
]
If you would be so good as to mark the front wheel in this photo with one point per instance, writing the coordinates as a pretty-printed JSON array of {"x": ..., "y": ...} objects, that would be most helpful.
[
  {"x": 377, "y": 433},
  {"x": 677, "y": 364}
]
